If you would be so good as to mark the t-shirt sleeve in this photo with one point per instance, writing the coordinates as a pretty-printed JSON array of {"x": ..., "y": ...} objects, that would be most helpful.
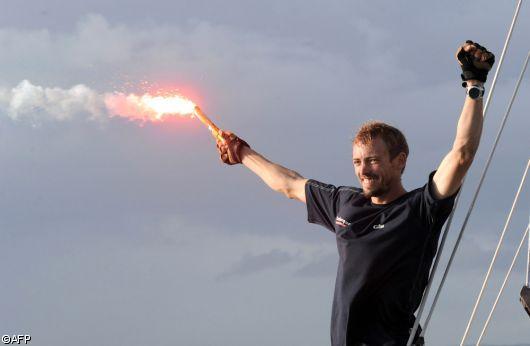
[
  {"x": 435, "y": 211},
  {"x": 322, "y": 201}
]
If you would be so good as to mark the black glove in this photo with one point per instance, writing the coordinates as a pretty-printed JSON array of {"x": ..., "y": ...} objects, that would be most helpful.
[
  {"x": 230, "y": 148},
  {"x": 475, "y": 60}
]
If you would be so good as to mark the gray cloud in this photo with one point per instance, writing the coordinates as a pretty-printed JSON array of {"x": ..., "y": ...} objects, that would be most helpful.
[
  {"x": 41, "y": 103},
  {"x": 252, "y": 264},
  {"x": 324, "y": 266}
]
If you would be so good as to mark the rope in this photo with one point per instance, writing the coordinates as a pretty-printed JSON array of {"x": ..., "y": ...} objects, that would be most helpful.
[
  {"x": 449, "y": 221},
  {"x": 502, "y": 287}
]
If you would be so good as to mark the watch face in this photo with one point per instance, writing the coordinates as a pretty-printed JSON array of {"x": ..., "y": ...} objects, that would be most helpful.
[{"x": 473, "y": 93}]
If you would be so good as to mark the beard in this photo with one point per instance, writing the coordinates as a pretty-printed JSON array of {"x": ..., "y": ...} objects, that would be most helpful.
[{"x": 377, "y": 188}]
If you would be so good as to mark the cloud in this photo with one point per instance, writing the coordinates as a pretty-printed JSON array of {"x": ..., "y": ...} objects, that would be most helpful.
[
  {"x": 245, "y": 75},
  {"x": 322, "y": 267},
  {"x": 37, "y": 103},
  {"x": 220, "y": 61},
  {"x": 251, "y": 264}
]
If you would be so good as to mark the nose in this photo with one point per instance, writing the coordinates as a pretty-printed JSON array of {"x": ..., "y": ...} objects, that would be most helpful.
[{"x": 364, "y": 168}]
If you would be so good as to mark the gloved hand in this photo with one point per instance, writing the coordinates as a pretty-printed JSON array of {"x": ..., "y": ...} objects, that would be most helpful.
[
  {"x": 230, "y": 148},
  {"x": 475, "y": 60}
]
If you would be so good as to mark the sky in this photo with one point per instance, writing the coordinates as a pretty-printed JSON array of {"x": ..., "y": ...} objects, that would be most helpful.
[{"x": 119, "y": 232}]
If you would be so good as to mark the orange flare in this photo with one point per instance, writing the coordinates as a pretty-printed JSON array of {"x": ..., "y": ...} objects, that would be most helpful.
[
  {"x": 147, "y": 107},
  {"x": 156, "y": 108}
]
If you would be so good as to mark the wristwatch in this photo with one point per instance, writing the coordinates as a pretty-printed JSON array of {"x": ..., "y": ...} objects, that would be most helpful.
[{"x": 475, "y": 91}]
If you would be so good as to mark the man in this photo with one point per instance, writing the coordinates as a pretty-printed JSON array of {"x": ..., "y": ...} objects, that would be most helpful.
[{"x": 386, "y": 237}]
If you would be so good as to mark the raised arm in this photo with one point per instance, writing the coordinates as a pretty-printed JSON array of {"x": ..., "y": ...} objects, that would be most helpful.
[
  {"x": 234, "y": 150},
  {"x": 475, "y": 61}
]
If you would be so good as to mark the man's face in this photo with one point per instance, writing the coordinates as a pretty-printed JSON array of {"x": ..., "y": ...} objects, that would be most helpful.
[{"x": 377, "y": 174}]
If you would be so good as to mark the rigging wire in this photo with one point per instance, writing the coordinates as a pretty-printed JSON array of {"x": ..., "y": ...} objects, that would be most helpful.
[
  {"x": 449, "y": 221},
  {"x": 502, "y": 287},
  {"x": 466, "y": 219},
  {"x": 481, "y": 180},
  {"x": 504, "y": 230},
  {"x": 528, "y": 260}
]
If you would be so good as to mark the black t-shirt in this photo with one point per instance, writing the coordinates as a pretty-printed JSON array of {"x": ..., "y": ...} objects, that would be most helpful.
[{"x": 385, "y": 253}]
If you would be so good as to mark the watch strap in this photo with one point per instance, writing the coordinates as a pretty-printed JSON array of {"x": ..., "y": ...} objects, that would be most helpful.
[{"x": 481, "y": 90}]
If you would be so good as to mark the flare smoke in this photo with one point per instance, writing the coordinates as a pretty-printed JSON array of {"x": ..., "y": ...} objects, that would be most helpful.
[{"x": 37, "y": 104}]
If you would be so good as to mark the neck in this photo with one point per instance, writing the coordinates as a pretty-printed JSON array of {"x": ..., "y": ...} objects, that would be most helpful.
[{"x": 394, "y": 193}]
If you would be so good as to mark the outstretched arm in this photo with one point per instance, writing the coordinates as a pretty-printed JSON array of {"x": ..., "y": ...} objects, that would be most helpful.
[
  {"x": 234, "y": 150},
  {"x": 476, "y": 61},
  {"x": 277, "y": 177}
]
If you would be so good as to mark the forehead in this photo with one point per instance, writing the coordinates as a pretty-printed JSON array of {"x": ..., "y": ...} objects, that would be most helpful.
[{"x": 376, "y": 147}]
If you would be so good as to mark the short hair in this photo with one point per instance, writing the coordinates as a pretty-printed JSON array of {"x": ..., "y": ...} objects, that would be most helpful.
[{"x": 394, "y": 139}]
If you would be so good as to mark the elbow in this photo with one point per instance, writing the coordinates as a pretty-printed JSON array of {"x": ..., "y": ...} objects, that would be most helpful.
[
  {"x": 288, "y": 186},
  {"x": 290, "y": 194},
  {"x": 286, "y": 191},
  {"x": 464, "y": 152},
  {"x": 464, "y": 157},
  {"x": 281, "y": 188},
  {"x": 290, "y": 191}
]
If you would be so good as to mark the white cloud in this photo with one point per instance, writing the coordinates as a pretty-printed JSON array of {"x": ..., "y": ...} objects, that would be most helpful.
[{"x": 37, "y": 103}]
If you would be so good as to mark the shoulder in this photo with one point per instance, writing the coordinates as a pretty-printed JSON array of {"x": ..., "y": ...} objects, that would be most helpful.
[
  {"x": 313, "y": 183},
  {"x": 430, "y": 207},
  {"x": 349, "y": 190},
  {"x": 427, "y": 190},
  {"x": 430, "y": 194},
  {"x": 338, "y": 192}
]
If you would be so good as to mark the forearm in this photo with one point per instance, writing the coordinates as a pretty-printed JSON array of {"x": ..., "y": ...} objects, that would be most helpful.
[
  {"x": 469, "y": 129},
  {"x": 277, "y": 177}
]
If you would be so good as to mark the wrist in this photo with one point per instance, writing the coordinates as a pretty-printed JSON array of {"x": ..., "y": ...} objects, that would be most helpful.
[
  {"x": 475, "y": 82},
  {"x": 475, "y": 92},
  {"x": 244, "y": 152}
]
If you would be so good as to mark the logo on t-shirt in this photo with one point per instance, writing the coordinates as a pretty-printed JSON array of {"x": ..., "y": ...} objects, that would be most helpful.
[
  {"x": 341, "y": 222},
  {"x": 379, "y": 226}
]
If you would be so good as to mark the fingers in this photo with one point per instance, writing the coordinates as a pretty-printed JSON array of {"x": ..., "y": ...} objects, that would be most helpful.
[
  {"x": 469, "y": 48},
  {"x": 229, "y": 146},
  {"x": 223, "y": 147},
  {"x": 225, "y": 134},
  {"x": 224, "y": 154},
  {"x": 476, "y": 54},
  {"x": 487, "y": 56}
]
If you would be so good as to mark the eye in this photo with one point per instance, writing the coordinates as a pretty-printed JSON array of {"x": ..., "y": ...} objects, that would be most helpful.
[
  {"x": 356, "y": 162},
  {"x": 374, "y": 160}
]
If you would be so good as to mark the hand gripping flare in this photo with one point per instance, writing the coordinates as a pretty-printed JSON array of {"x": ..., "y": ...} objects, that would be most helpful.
[
  {"x": 230, "y": 148},
  {"x": 228, "y": 144}
]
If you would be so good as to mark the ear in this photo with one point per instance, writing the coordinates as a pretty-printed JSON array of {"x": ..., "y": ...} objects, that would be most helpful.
[{"x": 400, "y": 161}]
